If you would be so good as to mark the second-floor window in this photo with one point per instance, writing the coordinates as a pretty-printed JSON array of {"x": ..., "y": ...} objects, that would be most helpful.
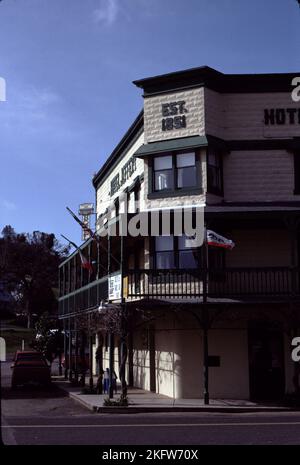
[
  {"x": 214, "y": 173},
  {"x": 163, "y": 173},
  {"x": 175, "y": 171},
  {"x": 297, "y": 173},
  {"x": 175, "y": 252}
]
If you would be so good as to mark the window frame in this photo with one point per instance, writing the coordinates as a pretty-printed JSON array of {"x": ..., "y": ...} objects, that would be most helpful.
[
  {"x": 213, "y": 189},
  {"x": 176, "y": 253},
  {"x": 162, "y": 170},
  {"x": 297, "y": 172},
  {"x": 175, "y": 190}
]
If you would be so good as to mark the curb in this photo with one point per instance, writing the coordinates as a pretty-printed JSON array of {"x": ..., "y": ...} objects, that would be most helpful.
[
  {"x": 141, "y": 409},
  {"x": 133, "y": 409}
]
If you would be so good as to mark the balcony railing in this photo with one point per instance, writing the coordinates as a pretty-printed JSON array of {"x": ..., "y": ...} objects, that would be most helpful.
[
  {"x": 230, "y": 282},
  {"x": 185, "y": 284},
  {"x": 85, "y": 298}
]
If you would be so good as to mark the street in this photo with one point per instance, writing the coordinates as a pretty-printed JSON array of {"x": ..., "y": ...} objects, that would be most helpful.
[{"x": 37, "y": 416}]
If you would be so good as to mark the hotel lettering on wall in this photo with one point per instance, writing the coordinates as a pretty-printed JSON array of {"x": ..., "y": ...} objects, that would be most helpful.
[
  {"x": 126, "y": 172},
  {"x": 174, "y": 117},
  {"x": 281, "y": 116}
]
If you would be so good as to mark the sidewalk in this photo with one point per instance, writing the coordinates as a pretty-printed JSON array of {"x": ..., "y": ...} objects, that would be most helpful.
[{"x": 141, "y": 401}]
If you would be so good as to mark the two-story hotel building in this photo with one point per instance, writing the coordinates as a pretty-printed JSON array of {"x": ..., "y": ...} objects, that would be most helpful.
[{"x": 231, "y": 144}]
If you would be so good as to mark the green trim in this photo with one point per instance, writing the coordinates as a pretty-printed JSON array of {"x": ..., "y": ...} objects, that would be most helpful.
[
  {"x": 177, "y": 193},
  {"x": 86, "y": 287},
  {"x": 170, "y": 145}
]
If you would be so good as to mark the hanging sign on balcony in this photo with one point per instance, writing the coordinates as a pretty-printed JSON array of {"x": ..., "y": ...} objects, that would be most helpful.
[{"x": 114, "y": 287}]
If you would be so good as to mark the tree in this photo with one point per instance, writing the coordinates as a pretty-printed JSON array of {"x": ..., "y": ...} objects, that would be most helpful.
[
  {"x": 120, "y": 320},
  {"x": 49, "y": 339},
  {"x": 28, "y": 266}
]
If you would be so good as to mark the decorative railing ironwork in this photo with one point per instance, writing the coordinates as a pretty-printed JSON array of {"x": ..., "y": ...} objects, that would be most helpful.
[
  {"x": 229, "y": 282},
  {"x": 188, "y": 284}
]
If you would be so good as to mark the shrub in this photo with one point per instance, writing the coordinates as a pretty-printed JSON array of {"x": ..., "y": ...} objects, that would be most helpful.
[{"x": 122, "y": 401}]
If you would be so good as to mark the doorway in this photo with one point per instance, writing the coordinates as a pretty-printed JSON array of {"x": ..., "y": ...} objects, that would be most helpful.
[{"x": 266, "y": 363}]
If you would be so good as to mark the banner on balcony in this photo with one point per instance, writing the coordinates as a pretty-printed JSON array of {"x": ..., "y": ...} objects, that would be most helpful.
[
  {"x": 216, "y": 240},
  {"x": 114, "y": 287}
]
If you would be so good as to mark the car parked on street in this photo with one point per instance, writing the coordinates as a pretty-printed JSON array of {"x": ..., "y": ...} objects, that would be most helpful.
[{"x": 30, "y": 367}]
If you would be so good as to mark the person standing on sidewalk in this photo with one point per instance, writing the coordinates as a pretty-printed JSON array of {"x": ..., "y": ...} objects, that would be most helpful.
[{"x": 106, "y": 381}]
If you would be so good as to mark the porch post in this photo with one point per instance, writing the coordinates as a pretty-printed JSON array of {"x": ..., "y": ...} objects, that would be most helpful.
[
  {"x": 99, "y": 358},
  {"x": 76, "y": 354},
  {"x": 205, "y": 320},
  {"x": 70, "y": 351},
  {"x": 65, "y": 349},
  {"x": 124, "y": 351},
  {"x": 130, "y": 360},
  {"x": 111, "y": 364},
  {"x": 91, "y": 381},
  {"x": 292, "y": 224}
]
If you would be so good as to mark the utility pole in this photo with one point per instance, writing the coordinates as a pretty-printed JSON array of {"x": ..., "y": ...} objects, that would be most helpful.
[{"x": 205, "y": 320}]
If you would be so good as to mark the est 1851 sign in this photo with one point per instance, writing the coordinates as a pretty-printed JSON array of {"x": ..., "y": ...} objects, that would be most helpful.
[{"x": 173, "y": 115}]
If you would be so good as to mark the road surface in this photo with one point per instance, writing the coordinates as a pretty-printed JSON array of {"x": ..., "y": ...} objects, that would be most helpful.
[{"x": 39, "y": 416}]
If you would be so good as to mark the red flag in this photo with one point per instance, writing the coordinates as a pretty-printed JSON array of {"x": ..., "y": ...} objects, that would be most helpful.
[{"x": 84, "y": 262}]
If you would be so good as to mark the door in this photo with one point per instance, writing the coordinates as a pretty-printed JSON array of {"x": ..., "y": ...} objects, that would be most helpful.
[{"x": 266, "y": 364}]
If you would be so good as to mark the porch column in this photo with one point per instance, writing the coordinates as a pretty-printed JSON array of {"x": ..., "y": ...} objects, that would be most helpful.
[
  {"x": 205, "y": 320},
  {"x": 65, "y": 349},
  {"x": 111, "y": 364},
  {"x": 91, "y": 381},
  {"x": 70, "y": 351},
  {"x": 82, "y": 358},
  {"x": 99, "y": 359},
  {"x": 292, "y": 225},
  {"x": 130, "y": 360},
  {"x": 90, "y": 259},
  {"x": 76, "y": 355}
]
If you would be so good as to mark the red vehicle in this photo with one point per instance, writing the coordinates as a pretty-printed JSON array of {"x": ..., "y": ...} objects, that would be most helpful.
[
  {"x": 30, "y": 367},
  {"x": 82, "y": 363}
]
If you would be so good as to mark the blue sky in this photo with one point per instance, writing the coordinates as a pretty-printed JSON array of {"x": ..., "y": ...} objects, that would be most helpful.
[{"x": 68, "y": 66}]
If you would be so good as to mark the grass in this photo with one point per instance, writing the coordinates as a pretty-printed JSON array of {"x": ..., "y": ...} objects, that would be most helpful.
[{"x": 13, "y": 338}]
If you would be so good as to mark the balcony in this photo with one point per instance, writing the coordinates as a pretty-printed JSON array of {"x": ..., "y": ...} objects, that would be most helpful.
[
  {"x": 265, "y": 284},
  {"x": 85, "y": 298},
  {"x": 236, "y": 283}
]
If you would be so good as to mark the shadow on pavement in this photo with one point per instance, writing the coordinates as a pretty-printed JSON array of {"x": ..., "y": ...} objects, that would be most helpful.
[{"x": 32, "y": 392}]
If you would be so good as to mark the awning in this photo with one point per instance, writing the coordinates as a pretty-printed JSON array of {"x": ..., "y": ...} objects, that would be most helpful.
[
  {"x": 170, "y": 145},
  {"x": 183, "y": 143}
]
